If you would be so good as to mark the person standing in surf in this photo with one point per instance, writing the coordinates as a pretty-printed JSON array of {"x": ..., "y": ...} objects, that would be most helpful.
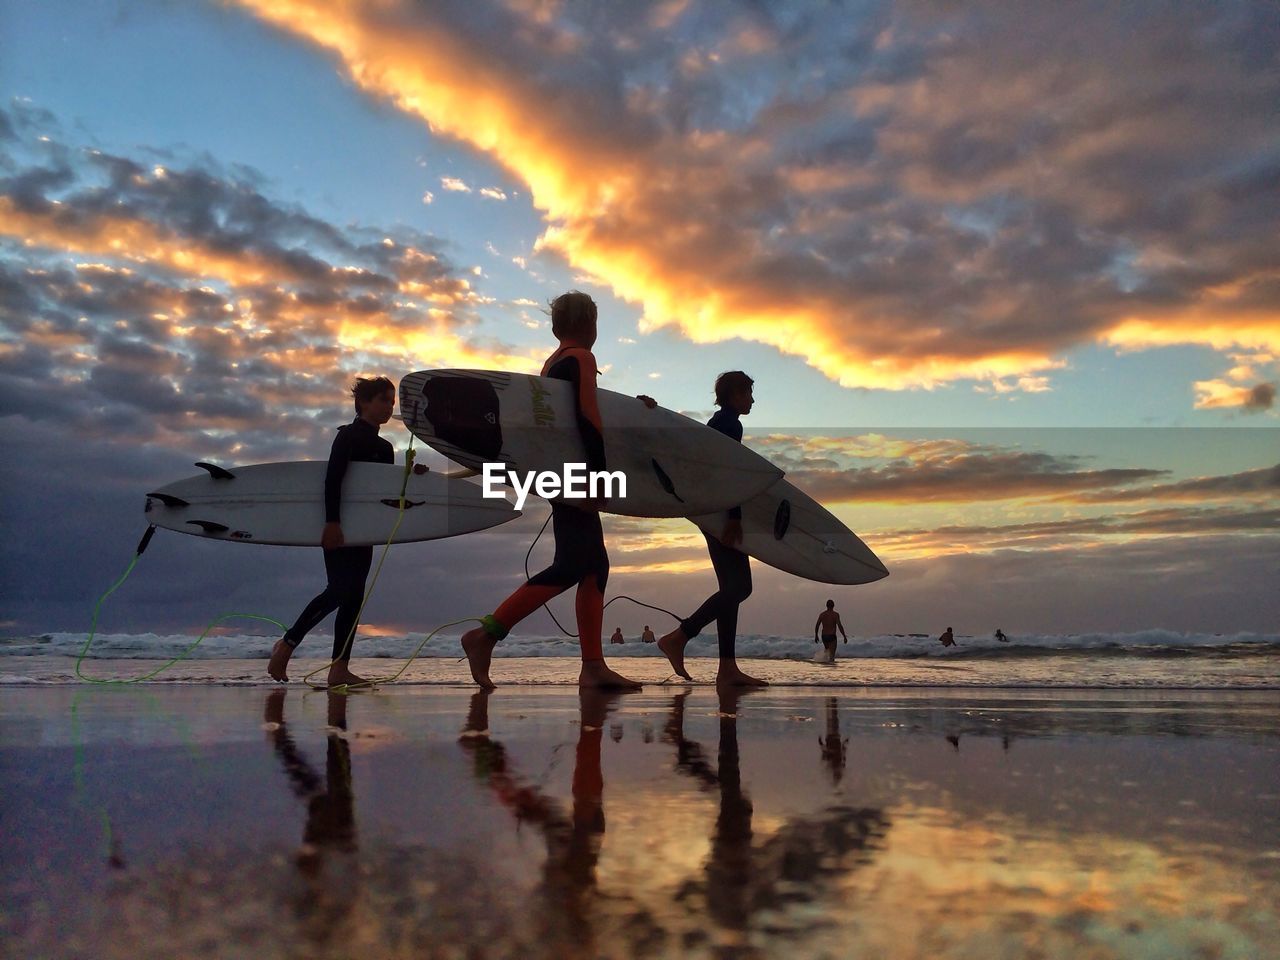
[
  {"x": 580, "y": 556},
  {"x": 828, "y": 621},
  {"x": 735, "y": 398},
  {"x": 346, "y": 567}
]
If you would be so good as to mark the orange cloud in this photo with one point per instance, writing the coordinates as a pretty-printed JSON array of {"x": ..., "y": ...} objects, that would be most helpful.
[{"x": 606, "y": 203}]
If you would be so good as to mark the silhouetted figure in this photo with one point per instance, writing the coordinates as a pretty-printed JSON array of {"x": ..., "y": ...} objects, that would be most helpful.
[
  {"x": 331, "y": 821},
  {"x": 581, "y": 560},
  {"x": 735, "y": 398},
  {"x": 346, "y": 568},
  {"x": 647, "y": 636},
  {"x": 1000, "y": 637},
  {"x": 833, "y": 748},
  {"x": 742, "y": 878},
  {"x": 617, "y": 636},
  {"x": 828, "y": 622},
  {"x": 568, "y": 888},
  {"x": 948, "y": 638}
]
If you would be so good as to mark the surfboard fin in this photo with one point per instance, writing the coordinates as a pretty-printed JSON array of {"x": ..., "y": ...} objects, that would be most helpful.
[
  {"x": 215, "y": 471},
  {"x": 663, "y": 479},
  {"x": 168, "y": 499},
  {"x": 210, "y": 526}
]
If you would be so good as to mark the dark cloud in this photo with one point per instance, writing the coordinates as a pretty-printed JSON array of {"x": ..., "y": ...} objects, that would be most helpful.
[
  {"x": 1261, "y": 397},
  {"x": 1263, "y": 482},
  {"x": 874, "y": 468},
  {"x": 1145, "y": 523}
]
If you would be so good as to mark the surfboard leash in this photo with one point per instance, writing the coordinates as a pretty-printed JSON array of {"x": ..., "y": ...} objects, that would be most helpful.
[
  {"x": 409, "y": 456},
  {"x": 97, "y": 608},
  {"x": 621, "y": 596}
]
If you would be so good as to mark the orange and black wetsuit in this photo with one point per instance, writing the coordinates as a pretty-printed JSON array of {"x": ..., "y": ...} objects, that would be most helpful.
[{"x": 580, "y": 556}]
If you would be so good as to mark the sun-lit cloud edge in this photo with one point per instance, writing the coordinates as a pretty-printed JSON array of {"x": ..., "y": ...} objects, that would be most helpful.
[{"x": 426, "y": 72}]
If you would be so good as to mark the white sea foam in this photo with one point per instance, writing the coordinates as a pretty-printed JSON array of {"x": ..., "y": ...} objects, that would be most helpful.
[{"x": 1146, "y": 643}]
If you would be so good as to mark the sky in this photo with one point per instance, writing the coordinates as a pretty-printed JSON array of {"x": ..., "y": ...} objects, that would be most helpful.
[{"x": 1007, "y": 280}]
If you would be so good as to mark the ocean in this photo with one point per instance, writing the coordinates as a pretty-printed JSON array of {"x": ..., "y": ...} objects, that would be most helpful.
[{"x": 1149, "y": 659}]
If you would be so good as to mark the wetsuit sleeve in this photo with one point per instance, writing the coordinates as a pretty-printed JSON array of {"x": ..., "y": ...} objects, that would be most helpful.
[
  {"x": 732, "y": 428},
  {"x": 339, "y": 458},
  {"x": 582, "y": 373}
]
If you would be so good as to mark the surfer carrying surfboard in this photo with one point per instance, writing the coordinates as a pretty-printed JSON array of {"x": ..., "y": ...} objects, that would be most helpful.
[
  {"x": 733, "y": 568},
  {"x": 580, "y": 556},
  {"x": 346, "y": 567}
]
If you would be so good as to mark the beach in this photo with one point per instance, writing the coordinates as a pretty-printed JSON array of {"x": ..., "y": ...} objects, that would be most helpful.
[{"x": 428, "y": 820}]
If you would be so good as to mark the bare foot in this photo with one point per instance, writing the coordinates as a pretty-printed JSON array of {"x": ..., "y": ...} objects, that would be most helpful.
[
  {"x": 596, "y": 674},
  {"x": 279, "y": 662},
  {"x": 730, "y": 675},
  {"x": 672, "y": 647},
  {"x": 340, "y": 675},
  {"x": 478, "y": 646}
]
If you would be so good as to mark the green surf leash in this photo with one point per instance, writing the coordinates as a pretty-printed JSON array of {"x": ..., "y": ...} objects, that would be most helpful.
[{"x": 97, "y": 609}]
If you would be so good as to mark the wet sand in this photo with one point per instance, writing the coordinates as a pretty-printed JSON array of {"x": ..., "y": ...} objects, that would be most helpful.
[{"x": 175, "y": 820}]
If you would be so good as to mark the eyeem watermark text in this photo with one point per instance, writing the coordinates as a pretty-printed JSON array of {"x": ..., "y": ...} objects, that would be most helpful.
[{"x": 577, "y": 483}]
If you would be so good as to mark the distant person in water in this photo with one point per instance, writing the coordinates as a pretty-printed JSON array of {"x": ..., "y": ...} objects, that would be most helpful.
[
  {"x": 1000, "y": 637},
  {"x": 647, "y": 636},
  {"x": 346, "y": 567},
  {"x": 580, "y": 557},
  {"x": 828, "y": 623},
  {"x": 735, "y": 398},
  {"x": 617, "y": 636},
  {"x": 947, "y": 639}
]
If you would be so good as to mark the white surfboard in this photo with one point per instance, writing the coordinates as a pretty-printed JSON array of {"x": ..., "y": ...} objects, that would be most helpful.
[
  {"x": 674, "y": 466},
  {"x": 786, "y": 528},
  {"x": 283, "y": 503}
]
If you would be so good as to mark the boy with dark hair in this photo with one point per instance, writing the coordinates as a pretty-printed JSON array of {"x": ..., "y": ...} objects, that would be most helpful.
[
  {"x": 345, "y": 567},
  {"x": 733, "y": 569}
]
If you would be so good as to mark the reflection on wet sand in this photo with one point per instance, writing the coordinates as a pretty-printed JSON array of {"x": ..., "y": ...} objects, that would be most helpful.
[
  {"x": 742, "y": 885},
  {"x": 889, "y": 841},
  {"x": 768, "y": 885},
  {"x": 834, "y": 749},
  {"x": 564, "y": 899},
  {"x": 324, "y": 902}
]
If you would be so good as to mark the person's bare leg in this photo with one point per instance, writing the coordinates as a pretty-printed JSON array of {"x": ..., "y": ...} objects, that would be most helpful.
[
  {"x": 731, "y": 675},
  {"x": 597, "y": 675},
  {"x": 340, "y": 675},
  {"x": 478, "y": 646},
  {"x": 672, "y": 647},
  {"x": 278, "y": 665}
]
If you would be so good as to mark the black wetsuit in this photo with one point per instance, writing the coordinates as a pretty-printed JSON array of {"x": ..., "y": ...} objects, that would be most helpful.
[
  {"x": 578, "y": 534},
  {"x": 733, "y": 569},
  {"x": 345, "y": 567}
]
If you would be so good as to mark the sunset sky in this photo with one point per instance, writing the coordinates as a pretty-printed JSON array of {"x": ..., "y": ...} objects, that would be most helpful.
[{"x": 1007, "y": 278}]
